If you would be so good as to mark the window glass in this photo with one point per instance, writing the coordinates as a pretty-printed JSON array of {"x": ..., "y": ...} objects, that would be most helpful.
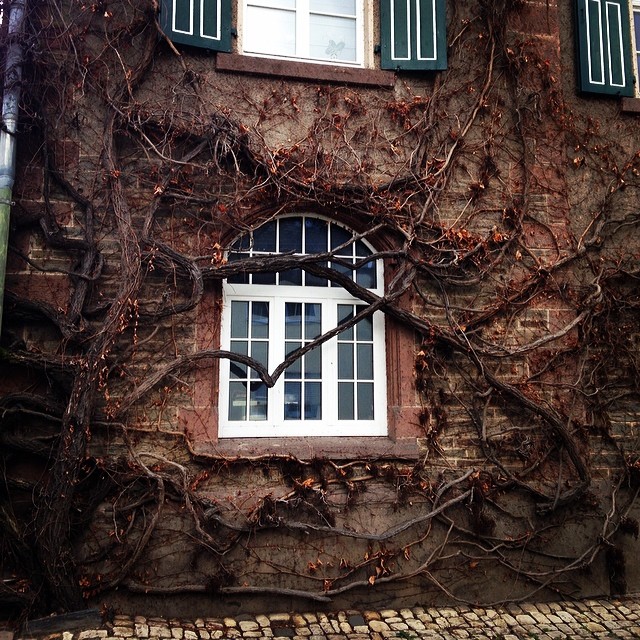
[
  {"x": 270, "y": 31},
  {"x": 291, "y": 235},
  {"x": 249, "y": 332},
  {"x": 365, "y": 400},
  {"x": 332, "y": 38},
  {"x": 264, "y": 238},
  {"x": 345, "y": 7},
  {"x": 239, "y": 319},
  {"x": 306, "y": 29},
  {"x": 345, "y": 401},
  {"x": 316, "y": 232}
]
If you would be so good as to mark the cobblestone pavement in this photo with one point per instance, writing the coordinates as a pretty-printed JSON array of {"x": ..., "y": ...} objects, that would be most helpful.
[{"x": 609, "y": 619}]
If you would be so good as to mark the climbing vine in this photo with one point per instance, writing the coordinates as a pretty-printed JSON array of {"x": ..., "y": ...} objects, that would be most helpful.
[{"x": 511, "y": 236}]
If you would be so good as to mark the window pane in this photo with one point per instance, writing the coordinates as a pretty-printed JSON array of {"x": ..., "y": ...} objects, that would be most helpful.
[
  {"x": 260, "y": 352},
  {"x": 345, "y": 313},
  {"x": 365, "y": 401},
  {"x": 237, "y": 401},
  {"x": 315, "y": 235},
  {"x": 264, "y": 238},
  {"x": 364, "y": 329},
  {"x": 345, "y": 361},
  {"x": 312, "y": 321},
  {"x": 341, "y": 269},
  {"x": 293, "y": 320},
  {"x": 295, "y": 369},
  {"x": 313, "y": 401},
  {"x": 291, "y": 278},
  {"x": 270, "y": 31},
  {"x": 311, "y": 280},
  {"x": 243, "y": 243},
  {"x": 365, "y": 361},
  {"x": 239, "y": 319},
  {"x": 338, "y": 237},
  {"x": 267, "y": 277},
  {"x": 366, "y": 275},
  {"x": 238, "y": 370},
  {"x": 313, "y": 364},
  {"x": 345, "y": 7},
  {"x": 332, "y": 38},
  {"x": 291, "y": 235},
  {"x": 240, "y": 278},
  {"x": 292, "y": 401},
  {"x": 362, "y": 251},
  {"x": 260, "y": 320},
  {"x": 345, "y": 401},
  {"x": 258, "y": 401}
]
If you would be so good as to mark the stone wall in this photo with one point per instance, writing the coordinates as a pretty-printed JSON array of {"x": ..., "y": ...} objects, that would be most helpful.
[{"x": 511, "y": 466}]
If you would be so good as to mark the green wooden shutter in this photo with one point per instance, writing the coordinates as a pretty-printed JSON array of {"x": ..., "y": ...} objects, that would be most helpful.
[
  {"x": 200, "y": 23},
  {"x": 413, "y": 34},
  {"x": 604, "y": 47}
]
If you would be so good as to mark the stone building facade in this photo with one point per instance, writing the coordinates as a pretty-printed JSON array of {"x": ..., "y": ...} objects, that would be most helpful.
[{"x": 206, "y": 191}]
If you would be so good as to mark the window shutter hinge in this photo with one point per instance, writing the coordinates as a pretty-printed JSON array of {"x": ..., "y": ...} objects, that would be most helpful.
[
  {"x": 377, "y": 49},
  {"x": 234, "y": 32}
]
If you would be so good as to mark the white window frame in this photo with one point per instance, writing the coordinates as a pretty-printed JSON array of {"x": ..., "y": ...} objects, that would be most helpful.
[
  {"x": 329, "y": 425},
  {"x": 302, "y": 10}
]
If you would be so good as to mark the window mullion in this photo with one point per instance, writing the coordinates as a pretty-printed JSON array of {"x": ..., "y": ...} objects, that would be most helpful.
[
  {"x": 329, "y": 364},
  {"x": 277, "y": 355},
  {"x": 360, "y": 39},
  {"x": 303, "y": 26}
]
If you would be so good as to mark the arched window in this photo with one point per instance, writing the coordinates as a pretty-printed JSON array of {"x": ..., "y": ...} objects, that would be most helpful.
[{"x": 338, "y": 387}]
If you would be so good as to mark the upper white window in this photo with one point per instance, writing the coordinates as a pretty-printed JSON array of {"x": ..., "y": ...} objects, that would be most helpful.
[
  {"x": 312, "y": 30},
  {"x": 412, "y": 33},
  {"x": 338, "y": 387}
]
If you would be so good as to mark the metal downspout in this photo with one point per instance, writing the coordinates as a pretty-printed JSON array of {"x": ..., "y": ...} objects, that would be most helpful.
[{"x": 9, "y": 126}]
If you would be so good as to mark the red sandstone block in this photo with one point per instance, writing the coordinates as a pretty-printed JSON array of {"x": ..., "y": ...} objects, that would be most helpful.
[
  {"x": 205, "y": 383},
  {"x": 207, "y": 322},
  {"x": 198, "y": 424}
]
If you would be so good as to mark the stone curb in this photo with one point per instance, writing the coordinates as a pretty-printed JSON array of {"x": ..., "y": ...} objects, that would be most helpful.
[{"x": 610, "y": 619}]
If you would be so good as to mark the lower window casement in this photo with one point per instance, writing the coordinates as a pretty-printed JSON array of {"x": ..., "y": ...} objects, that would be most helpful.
[{"x": 336, "y": 389}]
